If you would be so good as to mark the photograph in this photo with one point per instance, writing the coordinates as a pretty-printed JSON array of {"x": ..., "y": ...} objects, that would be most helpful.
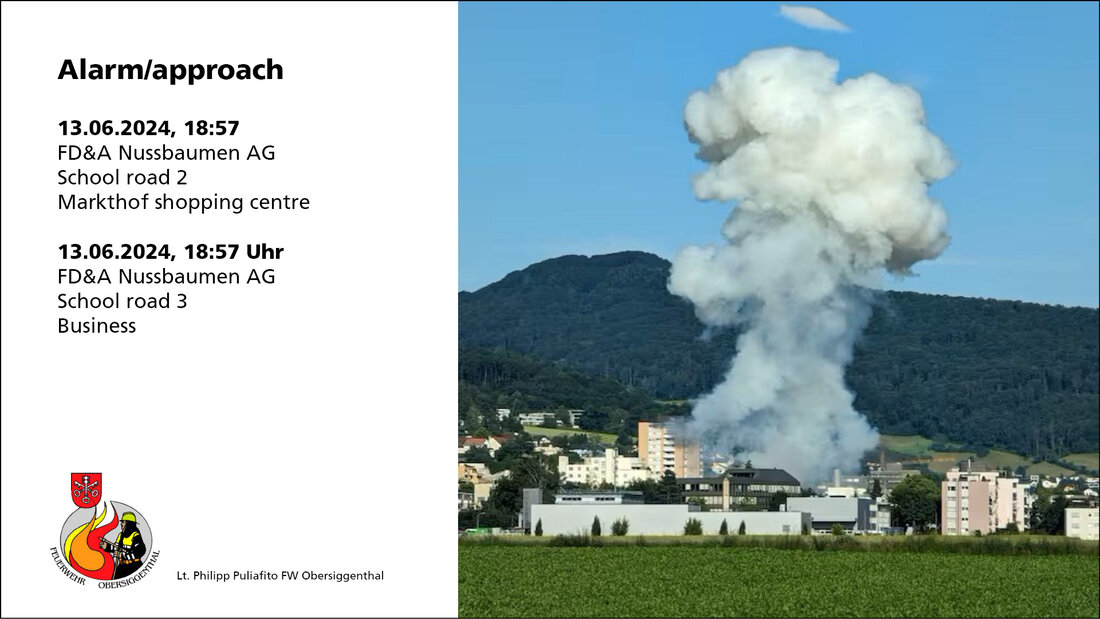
[{"x": 777, "y": 310}]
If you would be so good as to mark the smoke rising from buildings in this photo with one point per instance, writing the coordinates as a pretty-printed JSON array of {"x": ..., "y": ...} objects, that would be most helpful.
[{"x": 830, "y": 181}]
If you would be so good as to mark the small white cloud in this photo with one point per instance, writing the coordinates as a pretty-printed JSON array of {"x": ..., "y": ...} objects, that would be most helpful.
[{"x": 811, "y": 18}]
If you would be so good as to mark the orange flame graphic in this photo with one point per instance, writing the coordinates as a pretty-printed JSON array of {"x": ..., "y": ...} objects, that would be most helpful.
[{"x": 83, "y": 551}]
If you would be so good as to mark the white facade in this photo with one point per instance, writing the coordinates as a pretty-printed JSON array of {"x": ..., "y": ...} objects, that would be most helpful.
[
  {"x": 610, "y": 468},
  {"x": 575, "y": 417},
  {"x": 536, "y": 419},
  {"x": 1012, "y": 504},
  {"x": 880, "y": 514},
  {"x": 558, "y": 519},
  {"x": 1083, "y": 522}
]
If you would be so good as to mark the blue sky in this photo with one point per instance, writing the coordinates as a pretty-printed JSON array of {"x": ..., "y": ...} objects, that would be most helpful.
[{"x": 571, "y": 135}]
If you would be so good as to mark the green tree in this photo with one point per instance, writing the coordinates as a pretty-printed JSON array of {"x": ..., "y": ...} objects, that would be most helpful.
[
  {"x": 477, "y": 455},
  {"x": 517, "y": 447},
  {"x": 914, "y": 502},
  {"x": 777, "y": 501},
  {"x": 876, "y": 489},
  {"x": 620, "y": 526},
  {"x": 624, "y": 443},
  {"x": 649, "y": 488},
  {"x": 724, "y": 529},
  {"x": 472, "y": 419},
  {"x": 837, "y": 529},
  {"x": 1054, "y": 520},
  {"x": 538, "y": 528},
  {"x": 741, "y": 529},
  {"x": 596, "y": 526},
  {"x": 506, "y": 496},
  {"x": 532, "y": 471},
  {"x": 669, "y": 489},
  {"x": 1012, "y": 528},
  {"x": 693, "y": 527}
]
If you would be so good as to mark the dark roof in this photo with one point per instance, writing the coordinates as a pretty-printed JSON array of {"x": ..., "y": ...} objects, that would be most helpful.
[{"x": 747, "y": 476}]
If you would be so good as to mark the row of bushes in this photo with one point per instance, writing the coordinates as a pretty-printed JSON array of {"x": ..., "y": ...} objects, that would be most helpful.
[
  {"x": 621, "y": 526},
  {"x": 985, "y": 545}
]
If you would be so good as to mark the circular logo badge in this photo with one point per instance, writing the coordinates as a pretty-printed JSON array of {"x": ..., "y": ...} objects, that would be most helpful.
[{"x": 109, "y": 541}]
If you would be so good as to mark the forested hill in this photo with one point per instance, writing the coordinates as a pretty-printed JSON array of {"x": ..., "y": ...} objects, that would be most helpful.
[
  {"x": 1008, "y": 374},
  {"x": 490, "y": 379}
]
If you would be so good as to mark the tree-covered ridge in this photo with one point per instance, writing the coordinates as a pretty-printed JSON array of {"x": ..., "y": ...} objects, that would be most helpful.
[
  {"x": 1013, "y": 375},
  {"x": 492, "y": 379}
]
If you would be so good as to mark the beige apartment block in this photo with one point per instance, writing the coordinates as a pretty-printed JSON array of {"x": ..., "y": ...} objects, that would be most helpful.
[
  {"x": 662, "y": 447},
  {"x": 980, "y": 501}
]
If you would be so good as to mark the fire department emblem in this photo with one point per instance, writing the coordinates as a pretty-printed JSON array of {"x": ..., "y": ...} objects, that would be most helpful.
[{"x": 103, "y": 540}]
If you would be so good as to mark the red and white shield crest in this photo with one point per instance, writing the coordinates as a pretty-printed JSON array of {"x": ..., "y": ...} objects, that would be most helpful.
[{"x": 86, "y": 489}]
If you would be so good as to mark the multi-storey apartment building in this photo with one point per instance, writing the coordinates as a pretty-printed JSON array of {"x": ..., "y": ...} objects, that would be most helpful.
[
  {"x": 610, "y": 468},
  {"x": 663, "y": 447},
  {"x": 980, "y": 501}
]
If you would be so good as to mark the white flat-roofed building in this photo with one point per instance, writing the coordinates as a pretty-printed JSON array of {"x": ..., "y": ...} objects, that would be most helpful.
[
  {"x": 608, "y": 468},
  {"x": 1083, "y": 522},
  {"x": 574, "y": 518},
  {"x": 852, "y": 513}
]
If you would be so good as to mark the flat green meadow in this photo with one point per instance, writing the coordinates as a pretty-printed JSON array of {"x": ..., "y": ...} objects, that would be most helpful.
[{"x": 528, "y": 580}]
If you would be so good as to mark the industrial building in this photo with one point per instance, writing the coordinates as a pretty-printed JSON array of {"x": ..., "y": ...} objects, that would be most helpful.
[
  {"x": 600, "y": 497},
  {"x": 852, "y": 514},
  {"x": 751, "y": 488},
  {"x": 568, "y": 519},
  {"x": 888, "y": 474},
  {"x": 1083, "y": 522}
]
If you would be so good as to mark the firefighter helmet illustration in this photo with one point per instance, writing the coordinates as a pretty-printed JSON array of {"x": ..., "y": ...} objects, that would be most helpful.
[{"x": 103, "y": 540}]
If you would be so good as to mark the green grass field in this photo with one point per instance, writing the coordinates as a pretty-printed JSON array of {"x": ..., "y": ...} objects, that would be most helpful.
[
  {"x": 942, "y": 461},
  {"x": 603, "y": 437},
  {"x": 1047, "y": 468},
  {"x": 1092, "y": 460},
  {"x": 712, "y": 581},
  {"x": 913, "y": 445}
]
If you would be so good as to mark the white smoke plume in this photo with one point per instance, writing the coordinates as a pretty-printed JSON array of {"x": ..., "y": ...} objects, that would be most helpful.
[{"x": 831, "y": 182}]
